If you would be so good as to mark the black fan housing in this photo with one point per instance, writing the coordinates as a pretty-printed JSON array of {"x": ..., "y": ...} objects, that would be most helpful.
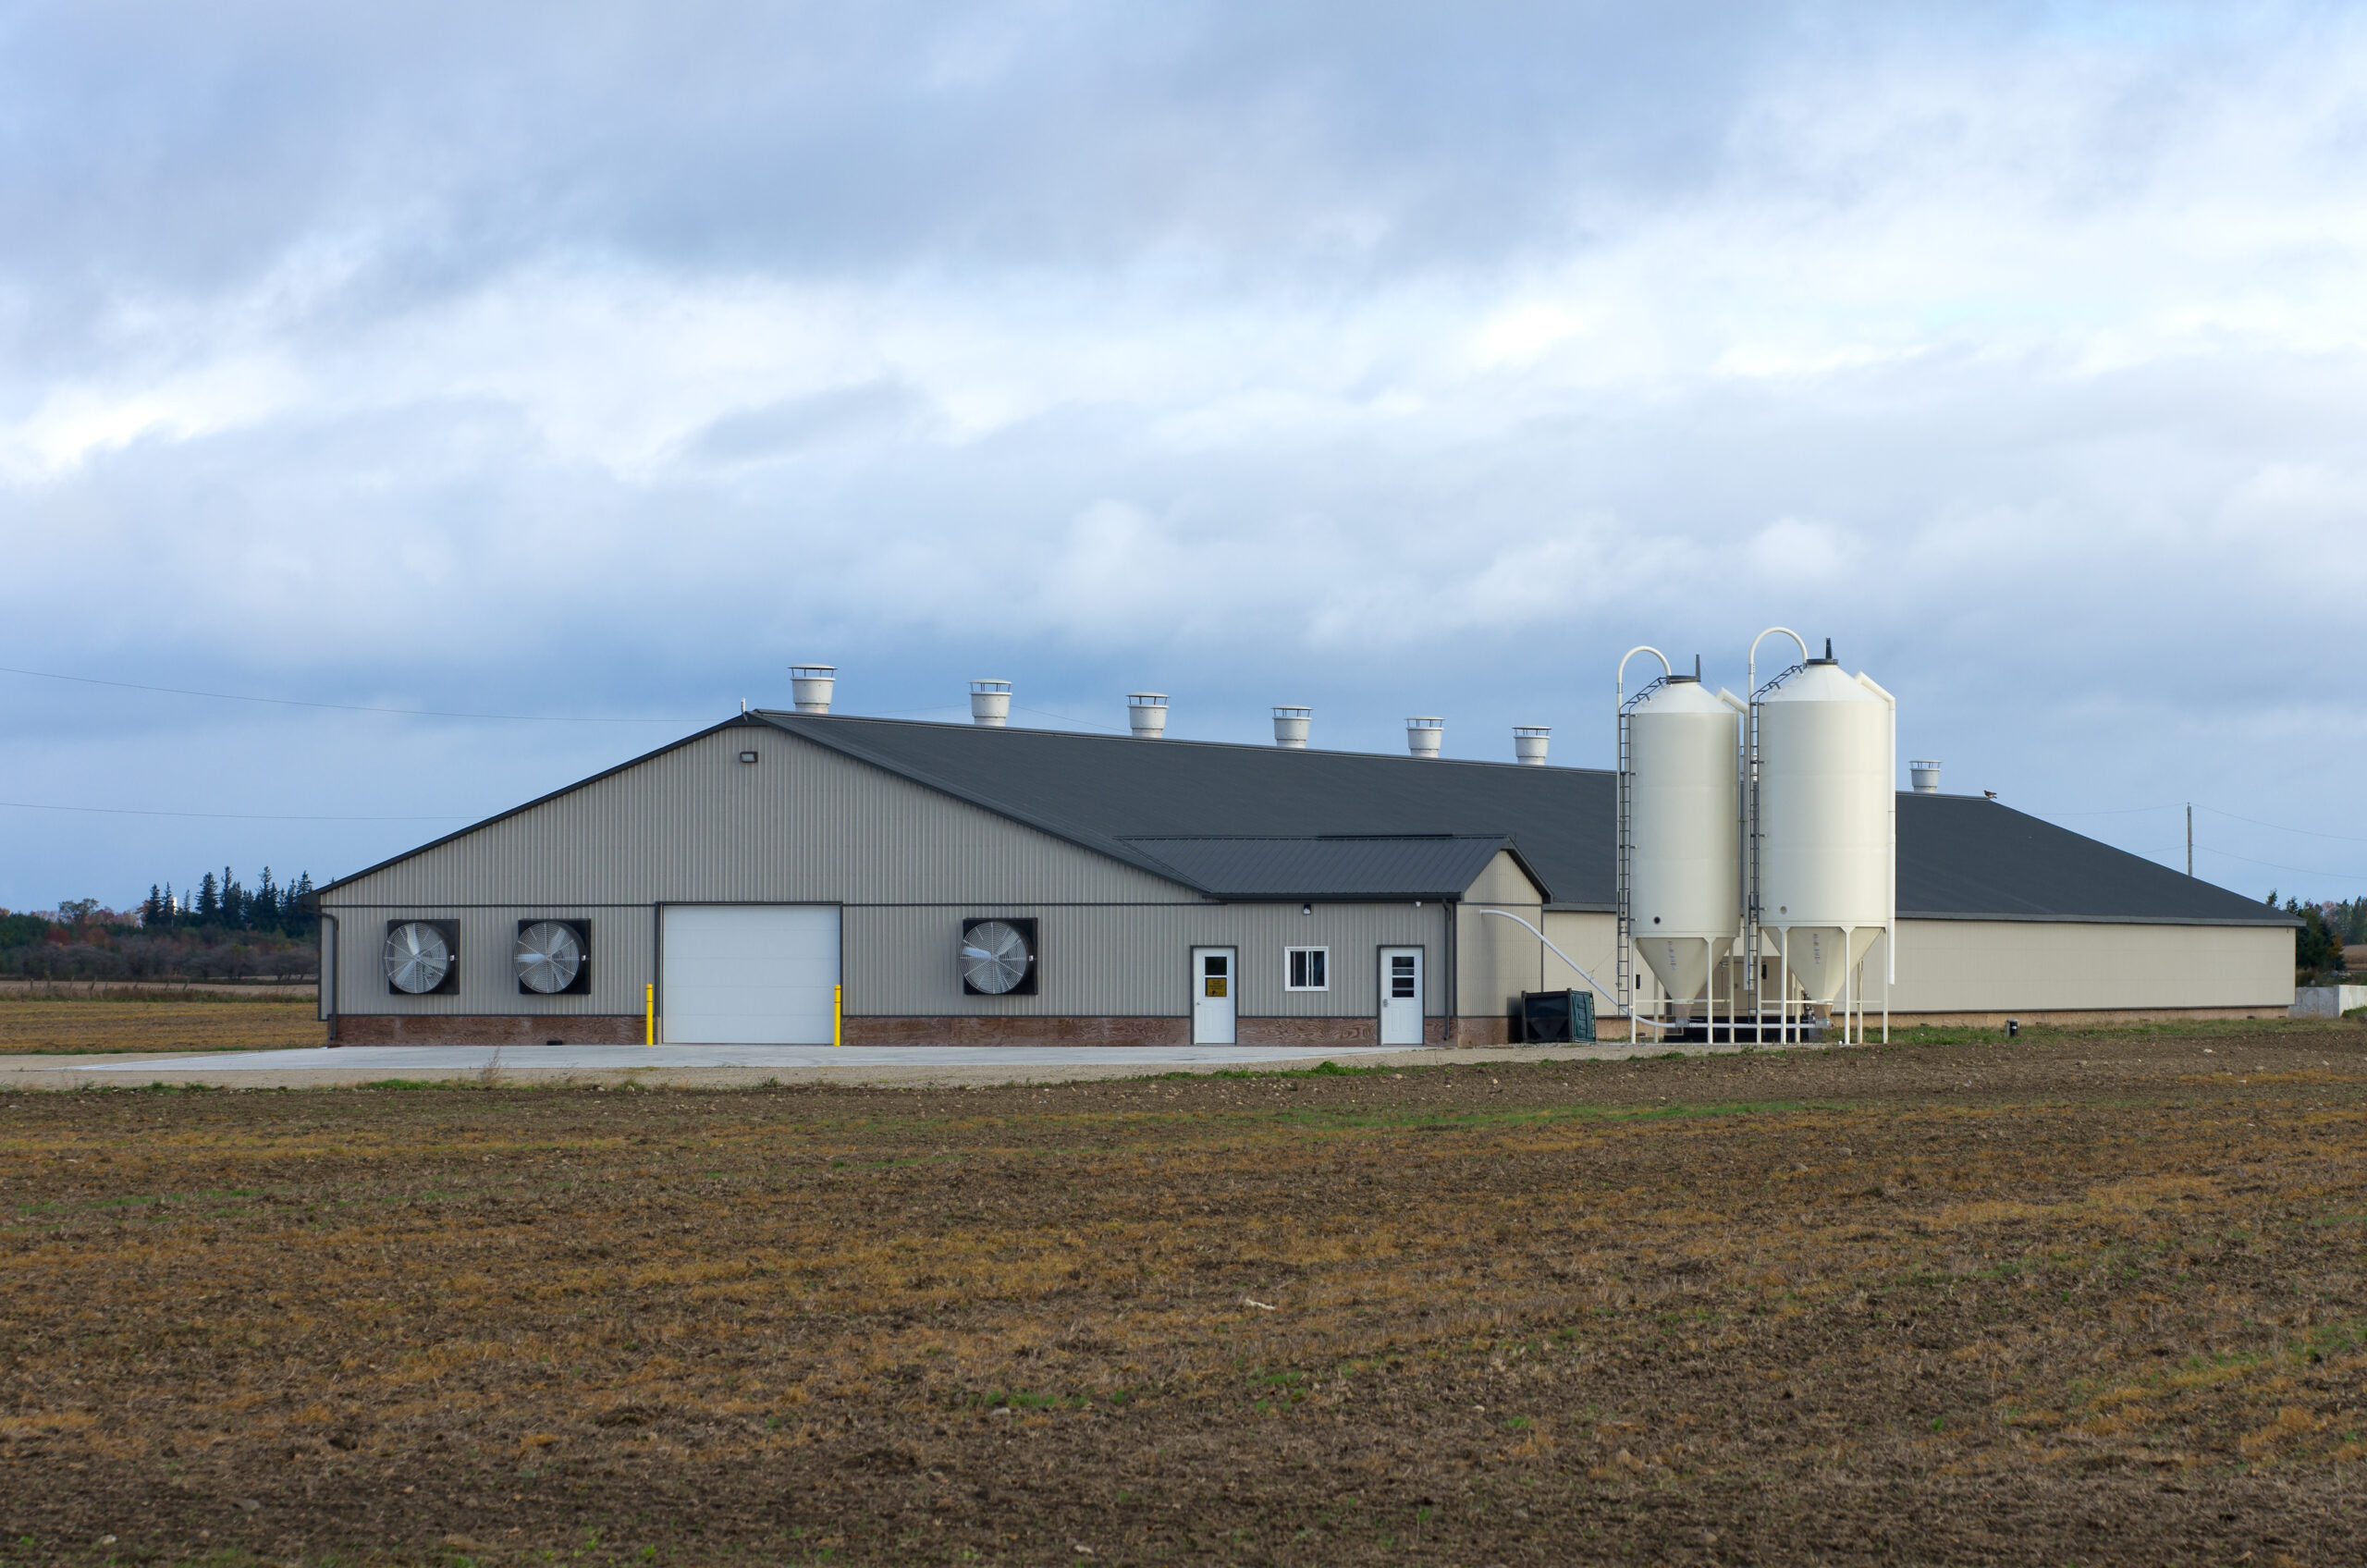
[
  {"x": 421, "y": 957},
  {"x": 553, "y": 958},
  {"x": 997, "y": 956}
]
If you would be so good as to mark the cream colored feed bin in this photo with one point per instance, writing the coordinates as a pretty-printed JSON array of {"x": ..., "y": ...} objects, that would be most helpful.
[
  {"x": 1685, "y": 879},
  {"x": 1826, "y": 823}
]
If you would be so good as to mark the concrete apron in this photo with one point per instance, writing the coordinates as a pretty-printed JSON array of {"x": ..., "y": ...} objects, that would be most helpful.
[{"x": 742, "y": 1066}]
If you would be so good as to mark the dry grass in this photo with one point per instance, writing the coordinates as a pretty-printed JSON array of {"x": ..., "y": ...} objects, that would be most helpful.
[
  {"x": 1648, "y": 1311},
  {"x": 37, "y": 1026}
]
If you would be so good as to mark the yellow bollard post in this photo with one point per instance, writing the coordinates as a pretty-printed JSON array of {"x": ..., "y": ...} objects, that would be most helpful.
[
  {"x": 649, "y": 1014},
  {"x": 838, "y": 1016}
]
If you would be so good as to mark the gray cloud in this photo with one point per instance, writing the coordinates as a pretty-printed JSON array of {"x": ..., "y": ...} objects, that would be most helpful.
[{"x": 1393, "y": 359}]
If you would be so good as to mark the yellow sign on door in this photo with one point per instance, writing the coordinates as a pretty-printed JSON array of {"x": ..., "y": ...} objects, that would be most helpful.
[{"x": 1215, "y": 985}]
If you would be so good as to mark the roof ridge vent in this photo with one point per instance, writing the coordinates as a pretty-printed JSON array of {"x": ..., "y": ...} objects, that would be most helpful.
[
  {"x": 1146, "y": 714},
  {"x": 810, "y": 686},
  {"x": 1292, "y": 721},
  {"x": 1529, "y": 742},
  {"x": 990, "y": 702},
  {"x": 1425, "y": 734}
]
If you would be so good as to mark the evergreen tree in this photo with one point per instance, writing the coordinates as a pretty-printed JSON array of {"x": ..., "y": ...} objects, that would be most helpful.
[
  {"x": 263, "y": 913},
  {"x": 209, "y": 898},
  {"x": 234, "y": 900},
  {"x": 2316, "y": 947},
  {"x": 151, "y": 909},
  {"x": 172, "y": 907}
]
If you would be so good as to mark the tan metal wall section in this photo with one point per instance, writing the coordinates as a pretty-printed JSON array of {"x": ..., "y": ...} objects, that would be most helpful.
[
  {"x": 1977, "y": 970},
  {"x": 1497, "y": 959},
  {"x": 1989, "y": 966}
]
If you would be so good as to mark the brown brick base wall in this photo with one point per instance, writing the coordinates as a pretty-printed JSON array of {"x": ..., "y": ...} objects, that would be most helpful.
[
  {"x": 625, "y": 1029},
  {"x": 487, "y": 1029},
  {"x": 958, "y": 1030}
]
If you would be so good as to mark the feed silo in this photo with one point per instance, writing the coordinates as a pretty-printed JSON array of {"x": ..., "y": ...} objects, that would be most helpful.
[
  {"x": 1685, "y": 848},
  {"x": 1677, "y": 847},
  {"x": 1823, "y": 828}
]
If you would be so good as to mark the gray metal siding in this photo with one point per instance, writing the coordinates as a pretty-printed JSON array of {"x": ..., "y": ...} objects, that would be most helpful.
[
  {"x": 805, "y": 824},
  {"x": 621, "y": 960},
  {"x": 1128, "y": 962}
]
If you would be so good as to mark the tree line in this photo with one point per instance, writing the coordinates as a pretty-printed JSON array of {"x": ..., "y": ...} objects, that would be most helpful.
[
  {"x": 224, "y": 930},
  {"x": 2327, "y": 929},
  {"x": 230, "y": 904}
]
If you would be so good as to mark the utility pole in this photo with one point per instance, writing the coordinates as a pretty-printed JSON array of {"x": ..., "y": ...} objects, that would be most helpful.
[{"x": 2190, "y": 838}]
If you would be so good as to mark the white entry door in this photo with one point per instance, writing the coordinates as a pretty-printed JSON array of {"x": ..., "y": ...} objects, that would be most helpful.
[
  {"x": 1215, "y": 988},
  {"x": 1401, "y": 995},
  {"x": 748, "y": 975}
]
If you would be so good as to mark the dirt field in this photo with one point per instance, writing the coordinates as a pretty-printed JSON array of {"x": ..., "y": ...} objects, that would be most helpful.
[
  {"x": 2083, "y": 1298},
  {"x": 35, "y": 1026}
]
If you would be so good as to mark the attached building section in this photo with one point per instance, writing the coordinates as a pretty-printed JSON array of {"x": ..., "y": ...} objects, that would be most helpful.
[
  {"x": 773, "y": 900},
  {"x": 780, "y": 875}
]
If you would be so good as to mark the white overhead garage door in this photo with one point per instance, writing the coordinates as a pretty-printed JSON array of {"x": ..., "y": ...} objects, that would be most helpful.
[{"x": 748, "y": 975}]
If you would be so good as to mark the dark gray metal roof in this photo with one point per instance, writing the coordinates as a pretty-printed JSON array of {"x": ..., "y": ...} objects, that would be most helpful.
[
  {"x": 1103, "y": 792},
  {"x": 1958, "y": 857},
  {"x": 1965, "y": 858},
  {"x": 1439, "y": 867}
]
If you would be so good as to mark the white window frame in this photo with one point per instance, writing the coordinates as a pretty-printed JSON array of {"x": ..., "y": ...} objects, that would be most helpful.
[{"x": 1292, "y": 951}]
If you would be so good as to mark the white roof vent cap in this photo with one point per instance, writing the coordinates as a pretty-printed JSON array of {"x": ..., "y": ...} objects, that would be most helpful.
[
  {"x": 1425, "y": 735},
  {"x": 990, "y": 702},
  {"x": 1291, "y": 725},
  {"x": 1925, "y": 775},
  {"x": 1147, "y": 713},
  {"x": 811, "y": 685},
  {"x": 1529, "y": 741}
]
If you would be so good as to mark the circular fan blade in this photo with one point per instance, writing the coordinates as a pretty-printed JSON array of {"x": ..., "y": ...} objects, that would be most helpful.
[
  {"x": 994, "y": 957},
  {"x": 548, "y": 956},
  {"x": 417, "y": 958}
]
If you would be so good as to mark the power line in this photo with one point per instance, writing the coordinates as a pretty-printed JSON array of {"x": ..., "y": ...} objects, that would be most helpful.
[
  {"x": 2280, "y": 865},
  {"x": 338, "y": 707},
  {"x": 2305, "y": 832},
  {"x": 2256, "y": 822},
  {"x": 231, "y": 816}
]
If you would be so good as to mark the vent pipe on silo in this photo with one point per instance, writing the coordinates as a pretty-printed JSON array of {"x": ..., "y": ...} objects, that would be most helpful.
[
  {"x": 1425, "y": 735},
  {"x": 1291, "y": 724},
  {"x": 989, "y": 703},
  {"x": 1925, "y": 775},
  {"x": 1147, "y": 713},
  {"x": 1529, "y": 741},
  {"x": 811, "y": 684}
]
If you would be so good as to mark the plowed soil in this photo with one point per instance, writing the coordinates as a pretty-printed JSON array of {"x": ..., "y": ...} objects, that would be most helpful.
[
  {"x": 2078, "y": 1299},
  {"x": 38, "y": 1026}
]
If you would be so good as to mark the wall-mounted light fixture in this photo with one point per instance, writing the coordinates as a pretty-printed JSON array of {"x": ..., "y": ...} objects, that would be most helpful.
[{"x": 747, "y": 756}]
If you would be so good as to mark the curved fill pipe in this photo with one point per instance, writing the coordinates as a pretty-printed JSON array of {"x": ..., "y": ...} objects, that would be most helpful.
[{"x": 1507, "y": 914}]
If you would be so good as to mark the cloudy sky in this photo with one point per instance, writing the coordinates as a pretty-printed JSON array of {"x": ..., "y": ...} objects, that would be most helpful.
[{"x": 598, "y": 361}]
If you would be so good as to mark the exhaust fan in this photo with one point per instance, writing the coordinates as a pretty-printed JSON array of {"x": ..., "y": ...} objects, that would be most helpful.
[
  {"x": 999, "y": 958},
  {"x": 423, "y": 956},
  {"x": 553, "y": 957}
]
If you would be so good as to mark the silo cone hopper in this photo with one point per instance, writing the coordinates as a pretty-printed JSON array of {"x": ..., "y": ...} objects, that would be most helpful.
[
  {"x": 1815, "y": 955},
  {"x": 1682, "y": 964}
]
